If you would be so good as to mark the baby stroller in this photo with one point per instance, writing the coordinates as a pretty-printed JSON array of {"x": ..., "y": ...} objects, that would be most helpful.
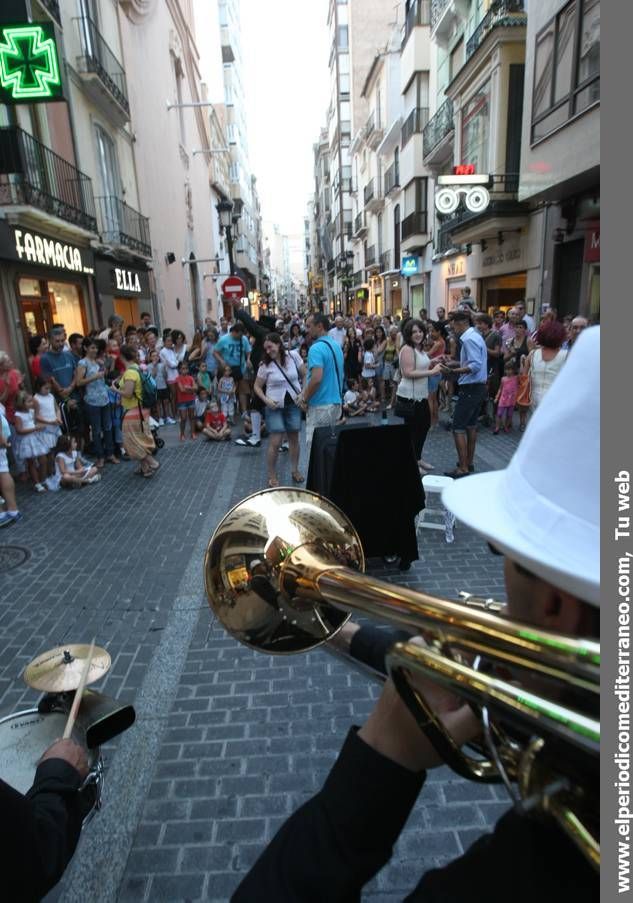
[{"x": 153, "y": 426}]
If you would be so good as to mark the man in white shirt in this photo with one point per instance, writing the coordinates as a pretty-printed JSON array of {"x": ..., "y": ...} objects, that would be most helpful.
[
  {"x": 523, "y": 315},
  {"x": 338, "y": 331}
]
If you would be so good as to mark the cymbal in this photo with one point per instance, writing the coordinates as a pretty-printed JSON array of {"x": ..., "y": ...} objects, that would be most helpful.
[{"x": 59, "y": 670}]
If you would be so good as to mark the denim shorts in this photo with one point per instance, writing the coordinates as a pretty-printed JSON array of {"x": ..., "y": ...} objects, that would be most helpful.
[
  {"x": 468, "y": 407},
  {"x": 283, "y": 420},
  {"x": 184, "y": 405}
]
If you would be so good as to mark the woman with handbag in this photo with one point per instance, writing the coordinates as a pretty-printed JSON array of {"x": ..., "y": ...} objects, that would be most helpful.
[
  {"x": 413, "y": 389},
  {"x": 278, "y": 385}
]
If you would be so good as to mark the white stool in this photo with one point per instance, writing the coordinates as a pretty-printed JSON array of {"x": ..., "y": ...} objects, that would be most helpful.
[{"x": 435, "y": 516}]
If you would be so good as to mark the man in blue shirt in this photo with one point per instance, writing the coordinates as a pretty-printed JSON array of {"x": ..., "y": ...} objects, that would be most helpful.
[
  {"x": 473, "y": 376},
  {"x": 323, "y": 394},
  {"x": 234, "y": 350},
  {"x": 59, "y": 366}
]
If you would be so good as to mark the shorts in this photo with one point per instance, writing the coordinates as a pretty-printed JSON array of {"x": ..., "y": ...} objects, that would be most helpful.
[
  {"x": 4, "y": 461},
  {"x": 163, "y": 394},
  {"x": 434, "y": 382},
  {"x": 283, "y": 420},
  {"x": 505, "y": 412},
  {"x": 468, "y": 407},
  {"x": 185, "y": 405}
]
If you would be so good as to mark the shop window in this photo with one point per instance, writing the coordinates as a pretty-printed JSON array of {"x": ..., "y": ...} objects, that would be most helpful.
[
  {"x": 566, "y": 67},
  {"x": 30, "y": 288},
  {"x": 476, "y": 130},
  {"x": 67, "y": 306}
]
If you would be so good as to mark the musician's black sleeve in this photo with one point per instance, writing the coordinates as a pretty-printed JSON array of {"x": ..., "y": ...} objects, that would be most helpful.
[
  {"x": 342, "y": 837},
  {"x": 39, "y": 832}
]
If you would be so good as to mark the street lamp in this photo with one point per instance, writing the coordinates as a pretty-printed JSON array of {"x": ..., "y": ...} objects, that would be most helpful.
[{"x": 227, "y": 221}]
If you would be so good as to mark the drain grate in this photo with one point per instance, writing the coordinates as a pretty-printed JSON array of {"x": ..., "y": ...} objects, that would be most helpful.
[{"x": 12, "y": 557}]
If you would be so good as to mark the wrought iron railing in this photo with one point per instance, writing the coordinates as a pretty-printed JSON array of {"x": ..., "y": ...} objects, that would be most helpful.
[
  {"x": 438, "y": 127},
  {"x": 415, "y": 122},
  {"x": 331, "y": 266},
  {"x": 414, "y": 224},
  {"x": 370, "y": 256},
  {"x": 501, "y": 13},
  {"x": 121, "y": 224},
  {"x": 419, "y": 13},
  {"x": 392, "y": 177},
  {"x": 360, "y": 223},
  {"x": 437, "y": 10},
  {"x": 97, "y": 57},
  {"x": 385, "y": 261},
  {"x": 53, "y": 7},
  {"x": 33, "y": 174},
  {"x": 369, "y": 192}
]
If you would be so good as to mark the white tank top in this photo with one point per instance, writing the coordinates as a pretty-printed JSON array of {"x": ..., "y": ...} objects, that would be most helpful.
[
  {"x": 46, "y": 404},
  {"x": 417, "y": 388}
]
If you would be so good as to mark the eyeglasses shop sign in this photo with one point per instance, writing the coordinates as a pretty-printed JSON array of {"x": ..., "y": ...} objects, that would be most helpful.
[{"x": 34, "y": 248}]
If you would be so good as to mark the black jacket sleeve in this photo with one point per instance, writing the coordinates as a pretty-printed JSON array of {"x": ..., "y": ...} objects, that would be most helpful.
[
  {"x": 341, "y": 838},
  {"x": 40, "y": 831}
]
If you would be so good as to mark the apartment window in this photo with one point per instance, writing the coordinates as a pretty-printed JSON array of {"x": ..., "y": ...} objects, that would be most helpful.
[
  {"x": 415, "y": 196},
  {"x": 456, "y": 59},
  {"x": 396, "y": 235},
  {"x": 108, "y": 164},
  {"x": 476, "y": 130},
  {"x": 566, "y": 67},
  {"x": 343, "y": 84},
  {"x": 343, "y": 37}
]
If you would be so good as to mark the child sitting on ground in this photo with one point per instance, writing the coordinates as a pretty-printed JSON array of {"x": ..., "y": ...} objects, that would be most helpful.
[
  {"x": 71, "y": 471},
  {"x": 226, "y": 393},
  {"x": 352, "y": 406},
  {"x": 506, "y": 398},
  {"x": 216, "y": 428},
  {"x": 200, "y": 407},
  {"x": 367, "y": 396}
]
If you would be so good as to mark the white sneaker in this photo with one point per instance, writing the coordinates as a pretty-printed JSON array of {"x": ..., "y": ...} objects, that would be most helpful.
[
  {"x": 161, "y": 422},
  {"x": 170, "y": 421},
  {"x": 39, "y": 488},
  {"x": 93, "y": 479}
]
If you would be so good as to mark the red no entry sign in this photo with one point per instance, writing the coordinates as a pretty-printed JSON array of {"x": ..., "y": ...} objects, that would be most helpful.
[{"x": 234, "y": 287}]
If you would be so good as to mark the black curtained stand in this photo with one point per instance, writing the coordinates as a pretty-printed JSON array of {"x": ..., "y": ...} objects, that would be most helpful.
[{"x": 352, "y": 465}]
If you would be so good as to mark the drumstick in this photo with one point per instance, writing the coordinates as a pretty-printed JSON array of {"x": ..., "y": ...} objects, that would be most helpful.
[{"x": 79, "y": 693}]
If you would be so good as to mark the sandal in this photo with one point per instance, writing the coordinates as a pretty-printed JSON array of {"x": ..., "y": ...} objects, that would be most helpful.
[
  {"x": 273, "y": 482},
  {"x": 297, "y": 477}
]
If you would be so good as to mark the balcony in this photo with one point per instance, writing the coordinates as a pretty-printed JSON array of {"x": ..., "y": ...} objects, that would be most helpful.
[
  {"x": 53, "y": 8},
  {"x": 374, "y": 132},
  {"x": 357, "y": 279},
  {"x": 374, "y": 201},
  {"x": 120, "y": 224},
  {"x": 419, "y": 14},
  {"x": 414, "y": 227},
  {"x": 502, "y": 14},
  {"x": 392, "y": 179},
  {"x": 414, "y": 123},
  {"x": 331, "y": 266},
  {"x": 370, "y": 257},
  {"x": 437, "y": 134},
  {"x": 445, "y": 16},
  {"x": 385, "y": 262},
  {"x": 503, "y": 214},
  {"x": 360, "y": 225},
  {"x": 102, "y": 74},
  {"x": 33, "y": 175}
]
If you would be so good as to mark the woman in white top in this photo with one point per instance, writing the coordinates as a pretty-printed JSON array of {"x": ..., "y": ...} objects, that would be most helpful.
[
  {"x": 545, "y": 362},
  {"x": 415, "y": 369},
  {"x": 169, "y": 358},
  {"x": 278, "y": 383}
]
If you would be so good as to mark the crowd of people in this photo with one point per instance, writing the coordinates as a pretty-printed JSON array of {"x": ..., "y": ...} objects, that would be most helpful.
[{"x": 93, "y": 400}]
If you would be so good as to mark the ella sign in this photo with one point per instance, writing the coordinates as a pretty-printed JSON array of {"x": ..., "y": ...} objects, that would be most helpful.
[{"x": 127, "y": 280}]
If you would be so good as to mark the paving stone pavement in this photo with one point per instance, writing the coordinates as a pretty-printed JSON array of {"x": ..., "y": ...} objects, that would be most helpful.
[{"x": 228, "y": 742}]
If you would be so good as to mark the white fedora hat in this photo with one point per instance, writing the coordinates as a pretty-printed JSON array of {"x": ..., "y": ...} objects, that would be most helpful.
[{"x": 543, "y": 510}]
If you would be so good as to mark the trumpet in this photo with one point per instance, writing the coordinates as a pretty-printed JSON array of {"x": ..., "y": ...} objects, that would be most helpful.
[{"x": 284, "y": 571}]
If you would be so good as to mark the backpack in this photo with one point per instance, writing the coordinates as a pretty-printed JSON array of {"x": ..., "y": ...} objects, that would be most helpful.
[{"x": 149, "y": 392}]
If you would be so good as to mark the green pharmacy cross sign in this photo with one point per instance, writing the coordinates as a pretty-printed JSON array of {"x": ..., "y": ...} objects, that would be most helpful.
[{"x": 29, "y": 64}]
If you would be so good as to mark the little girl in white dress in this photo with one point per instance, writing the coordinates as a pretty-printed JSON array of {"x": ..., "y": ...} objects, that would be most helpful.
[
  {"x": 47, "y": 414},
  {"x": 29, "y": 446}
]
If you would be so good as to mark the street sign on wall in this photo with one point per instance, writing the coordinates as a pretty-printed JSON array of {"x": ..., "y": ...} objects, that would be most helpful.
[
  {"x": 30, "y": 70},
  {"x": 410, "y": 266},
  {"x": 234, "y": 287}
]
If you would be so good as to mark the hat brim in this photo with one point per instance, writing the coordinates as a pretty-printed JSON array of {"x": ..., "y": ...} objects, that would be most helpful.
[{"x": 479, "y": 501}]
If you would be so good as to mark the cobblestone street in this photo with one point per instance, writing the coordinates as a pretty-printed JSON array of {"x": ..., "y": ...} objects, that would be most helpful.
[{"x": 228, "y": 742}]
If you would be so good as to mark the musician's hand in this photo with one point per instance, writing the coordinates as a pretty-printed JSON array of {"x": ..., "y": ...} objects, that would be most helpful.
[
  {"x": 70, "y": 751},
  {"x": 392, "y": 730}
]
